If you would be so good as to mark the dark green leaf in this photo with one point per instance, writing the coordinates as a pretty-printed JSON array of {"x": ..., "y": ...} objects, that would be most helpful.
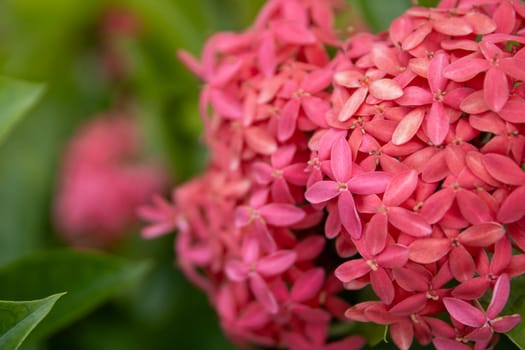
[
  {"x": 516, "y": 305},
  {"x": 16, "y": 97},
  {"x": 19, "y": 318},
  {"x": 379, "y": 14},
  {"x": 88, "y": 278}
]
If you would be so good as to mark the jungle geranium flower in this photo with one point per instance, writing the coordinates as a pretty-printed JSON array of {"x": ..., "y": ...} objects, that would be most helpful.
[{"x": 392, "y": 160}]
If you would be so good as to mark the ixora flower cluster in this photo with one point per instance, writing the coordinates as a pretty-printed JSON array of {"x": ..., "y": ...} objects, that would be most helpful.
[
  {"x": 103, "y": 182},
  {"x": 392, "y": 161}
]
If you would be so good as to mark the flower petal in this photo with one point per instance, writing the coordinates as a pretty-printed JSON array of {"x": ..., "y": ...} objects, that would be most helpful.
[
  {"x": 322, "y": 191},
  {"x": 408, "y": 126},
  {"x": 428, "y": 250},
  {"x": 308, "y": 285},
  {"x": 348, "y": 215},
  {"x": 276, "y": 263},
  {"x": 464, "y": 313},
  {"x": 503, "y": 169},
  {"x": 281, "y": 214},
  {"x": 496, "y": 89},
  {"x": 513, "y": 207},
  {"x": 341, "y": 160},
  {"x": 385, "y": 89},
  {"x": 409, "y": 222},
  {"x": 263, "y": 294},
  {"x": 369, "y": 183}
]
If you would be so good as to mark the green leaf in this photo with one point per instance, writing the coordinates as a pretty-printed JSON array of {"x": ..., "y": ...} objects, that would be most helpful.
[
  {"x": 19, "y": 318},
  {"x": 516, "y": 305},
  {"x": 89, "y": 279},
  {"x": 379, "y": 14},
  {"x": 16, "y": 97}
]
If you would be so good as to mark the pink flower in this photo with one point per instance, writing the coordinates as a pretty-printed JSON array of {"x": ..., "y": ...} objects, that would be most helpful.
[
  {"x": 100, "y": 188},
  {"x": 405, "y": 147}
]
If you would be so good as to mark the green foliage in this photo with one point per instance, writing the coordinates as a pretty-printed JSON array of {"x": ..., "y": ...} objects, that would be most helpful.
[
  {"x": 516, "y": 305},
  {"x": 88, "y": 278},
  {"x": 379, "y": 14},
  {"x": 19, "y": 318},
  {"x": 16, "y": 97}
]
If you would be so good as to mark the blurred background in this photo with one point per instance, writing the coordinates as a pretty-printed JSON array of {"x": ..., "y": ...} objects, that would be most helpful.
[{"x": 104, "y": 57}]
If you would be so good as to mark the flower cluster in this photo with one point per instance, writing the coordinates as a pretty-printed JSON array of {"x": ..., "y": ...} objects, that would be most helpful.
[
  {"x": 392, "y": 161},
  {"x": 103, "y": 183}
]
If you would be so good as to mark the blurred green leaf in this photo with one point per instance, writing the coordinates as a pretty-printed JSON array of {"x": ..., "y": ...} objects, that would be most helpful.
[
  {"x": 379, "y": 14},
  {"x": 16, "y": 97},
  {"x": 89, "y": 279},
  {"x": 516, "y": 305},
  {"x": 19, "y": 318}
]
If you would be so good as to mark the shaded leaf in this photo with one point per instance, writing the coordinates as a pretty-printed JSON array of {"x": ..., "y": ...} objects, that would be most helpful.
[
  {"x": 88, "y": 278},
  {"x": 16, "y": 97},
  {"x": 19, "y": 318}
]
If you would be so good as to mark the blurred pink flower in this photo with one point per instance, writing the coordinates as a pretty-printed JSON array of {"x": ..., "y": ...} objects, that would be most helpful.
[{"x": 103, "y": 182}]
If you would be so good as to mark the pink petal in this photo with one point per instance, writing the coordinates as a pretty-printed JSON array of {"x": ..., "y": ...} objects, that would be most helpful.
[
  {"x": 513, "y": 111},
  {"x": 416, "y": 37},
  {"x": 436, "y": 168},
  {"x": 317, "y": 81},
  {"x": 496, "y": 89},
  {"x": 311, "y": 314},
  {"x": 437, "y": 205},
  {"x": 402, "y": 334},
  {"x": 394, "y": 255},
  {"x": 341, "y": 160},
  {"x": 266, "y": 58},
  {"x": 503, "y": 169},
  {"x": 352, "y": 104},
  {"x": 288, "y": 119},
  {"x": 385, "y": 89},
  {"x": 281, "y": 214},
  {"x": 351, "y": 270},
  {"x": 489, "y": 122},
  {"x": 276, "y": 263},
  {"x": 465, "y": 69},
  {"x": 409, "y": 222},
  {"x": 437, "y": 123},
  {"x": 236, "y": 270},
  {"x": 473, "y": 208},
  {"x": 351, "y": 342},
  {"x": 382, "y": 285},
  {"x": 415, "y": 96},
  {"x": 322, "y": 191},
  {"x": 464, "y": 313},
  {"x": 316, "y": 109},
  {"x": 436, "y": 80},
  {"x": 476, "y": 165},
  {"x": 449, "y": 344},
  {"x": 262, "y": 173},
  {"x": 293, "y": 32},
  {"x": 471, "y": 289},
  {"x": 454, "y": 26},
  {"x": 461, "y": 263},
  {"x": 474, "y": 103},
  {"x": 369, "y": 183},
  {"x": 349, "y": 78},
  {"x": 500, "y": 295},
  {"x": 348, "y": 215},
  {"x": 376, "y": 232},
  {"x": 480, "y": 23},
  {"x": 260, "y": 140},
  {"x": 513, "y": 207},
  {"x": 263, "y": 294},
  {"x": 506, "y": 323},
  {"x": 428, "y": 250},
  {"x": 225, "y": 104},
  {"x": 410, "y": 280},
  {"x": 408, "y": 126},
  {"x": 482, "y": 235},
  {"x": 400, "y": 188},
  {"x": 310, "y": 248},
  {"x": 513, "y": 67},
  {"x": 308, "y": 285}
]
